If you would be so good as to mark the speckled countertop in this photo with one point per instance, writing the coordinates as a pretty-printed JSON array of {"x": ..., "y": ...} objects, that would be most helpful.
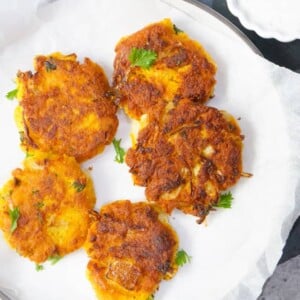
[{"x": 284, "y": 284}]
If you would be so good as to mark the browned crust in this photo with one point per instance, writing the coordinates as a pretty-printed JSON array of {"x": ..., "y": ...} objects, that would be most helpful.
[
  {"x": 186, "y": 159},
  {"x": 54, "y": 213},
  {"x": 67, "y": 109},
  {"x": 181, "y": 61},
  {"x": 130, "y": 249}
]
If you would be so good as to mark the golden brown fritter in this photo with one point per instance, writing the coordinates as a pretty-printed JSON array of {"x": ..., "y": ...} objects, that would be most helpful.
[
  {"x": 131, "y": 250},
  {"x": 66, "y": 107},
  {"x": 187, "y": 158},
  {"x": 53, "y": 197},
  {"x": 182, "y": 70}
]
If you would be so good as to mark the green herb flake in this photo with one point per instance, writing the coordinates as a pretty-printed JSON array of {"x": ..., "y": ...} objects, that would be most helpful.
[
  {"x": 22, "y": 136},
  {"x": 11, "y": 95},
  {"x": 39, "y": 267},
  {"x": 78, "y": 186},
  {"x": 151, "y": 297},
  {"x": 49, "y": 66},
  {"x": 14, "y": 215},
  {"x": 34, "y": 192},
  {"x": 28, "y": 154},
  {"x": 39, "y": 205},
  {"x": 182, "y": 258},
  {"x": 120, "y": 152},
  {"x": 54, "y": 259},
  {"x": 225, "y": 200},
  {"x": 142, "y": 57},
  {"x": 176, "y": 29}
]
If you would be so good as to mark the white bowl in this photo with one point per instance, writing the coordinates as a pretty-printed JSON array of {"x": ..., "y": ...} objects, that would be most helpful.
[{"x": 279, "y": 19}]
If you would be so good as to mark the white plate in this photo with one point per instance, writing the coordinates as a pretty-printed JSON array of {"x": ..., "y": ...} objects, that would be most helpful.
[
  {"x": 277, "y": 19},
  {"x": 226, "y": 252}
]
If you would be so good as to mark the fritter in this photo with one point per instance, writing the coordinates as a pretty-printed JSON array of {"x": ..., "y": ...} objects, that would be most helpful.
[
  {"x": 188, "y": 157},
  {"x": 182, "y": 69},
  {"x": 44, "y": 208},
  {"x": 131, "y": 249},
  {"x": 66, "y": 107}
]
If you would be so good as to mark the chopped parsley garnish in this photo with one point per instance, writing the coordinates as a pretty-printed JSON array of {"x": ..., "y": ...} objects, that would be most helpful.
[
  {"x": 34, "y": 192},
  {"x": 142, "y": 57},
  {"x": 39, "y": 205},
  {"x": 49, "y": 66},
  {"x": 14, "y": 216},
  {"x": 120, "y": 152},
  {"x": 151, "y": 297},
  {"x": 176, "y": 29},
  {"x": 22, "y": 136},
  {"x": 11, "y": 95},
  {"x": 54, "y": 259},
  {"x": 79, "y": 187},
  {"x": 182, "y": 258},
  {"x": 39, "y": 267},
  {"x": 225, "y": 200},
  {"x": 28, "y": 154}
]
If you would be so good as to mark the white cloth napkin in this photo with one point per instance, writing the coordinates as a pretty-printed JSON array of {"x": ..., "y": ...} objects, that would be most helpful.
[{"x": 237, "y": 249}]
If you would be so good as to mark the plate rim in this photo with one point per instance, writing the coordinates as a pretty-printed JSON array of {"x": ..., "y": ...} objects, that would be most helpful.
[{"x": 226, "y": 22}]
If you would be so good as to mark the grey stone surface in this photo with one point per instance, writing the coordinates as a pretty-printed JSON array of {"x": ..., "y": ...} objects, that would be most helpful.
[{"x": 284, "y": 284}]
